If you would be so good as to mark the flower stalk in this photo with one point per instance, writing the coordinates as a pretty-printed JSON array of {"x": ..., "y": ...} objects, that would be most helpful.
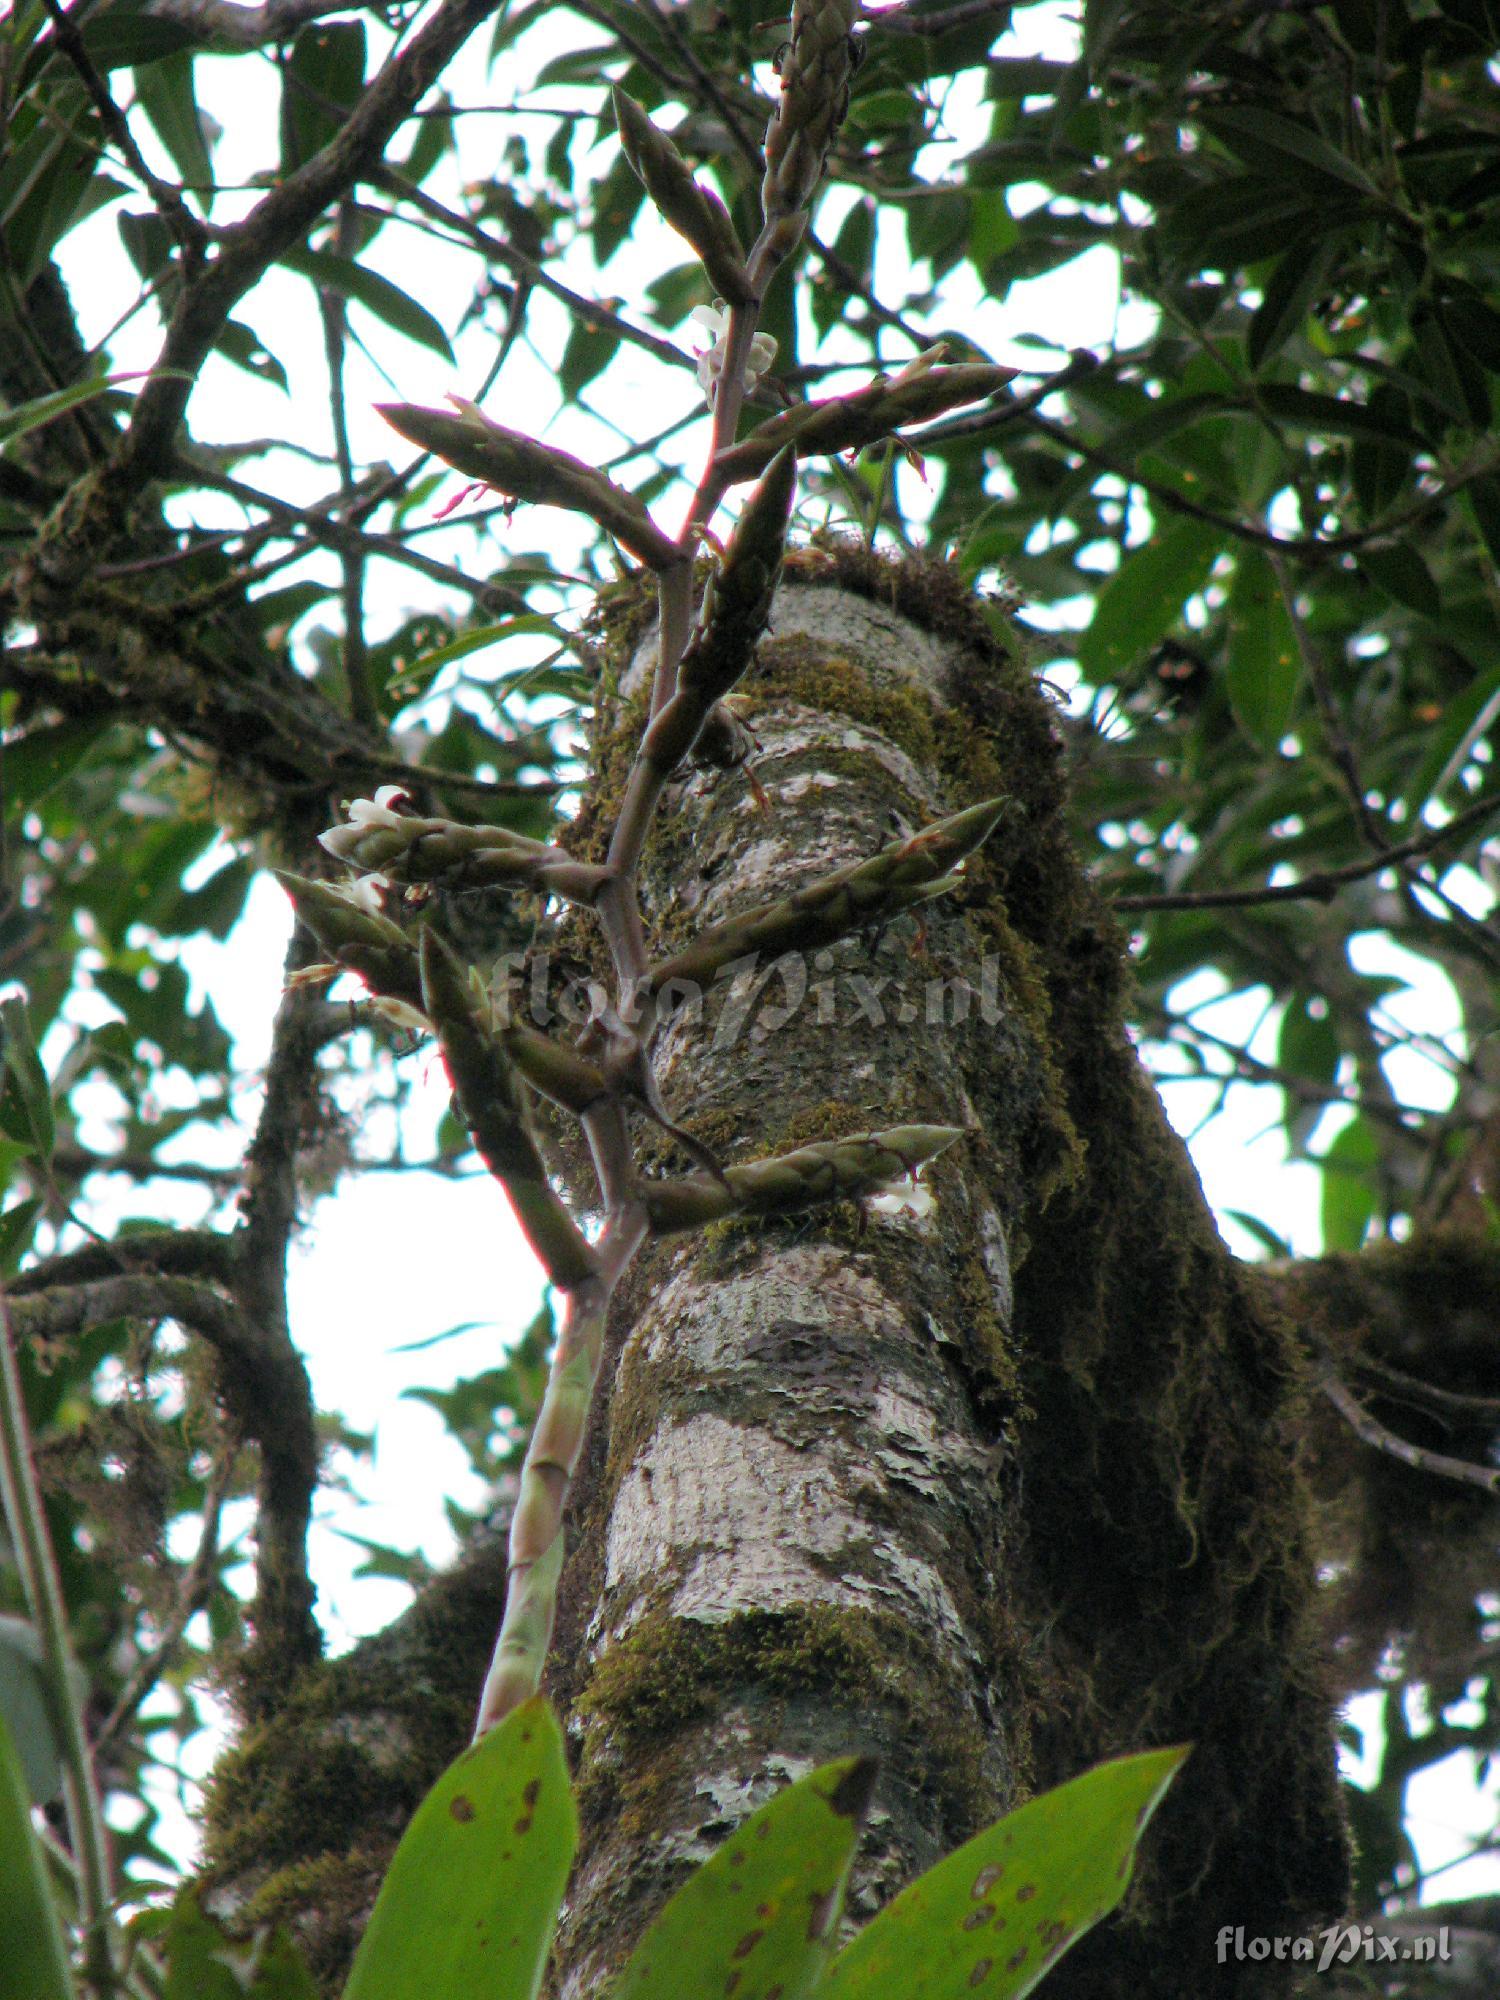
[{"x": 494, "y": 1063}]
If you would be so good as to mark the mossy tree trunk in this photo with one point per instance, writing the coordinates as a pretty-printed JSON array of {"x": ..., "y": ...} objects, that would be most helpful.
[{"x": 992, "y": 1490}]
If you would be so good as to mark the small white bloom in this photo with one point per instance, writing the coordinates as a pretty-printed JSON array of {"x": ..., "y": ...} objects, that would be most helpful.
[
  {"x": 906, "y": 1198},
  {"x": 373, "y": 812},
  {"x": 361, "y": 814},
  {"x": 365, "y": 893},
  {"x": 715, "y": 321}
]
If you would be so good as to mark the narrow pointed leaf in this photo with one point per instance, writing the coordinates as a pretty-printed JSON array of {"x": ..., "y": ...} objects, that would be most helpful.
[
  {"x": 398, "y": 309},
  {"x": 36, "y": 1962},
  {"x": 760, "y": 1916},
  {"x": 470, "y": 1902},
  {"x": 994, "y": 1916}
]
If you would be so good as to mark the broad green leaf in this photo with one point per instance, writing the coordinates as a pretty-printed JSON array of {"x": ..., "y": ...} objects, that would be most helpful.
[
  {"x": 166, "y": 93},
  {"x": 375, "y": 293},
  {"x": 243, "y": 346},
  {"x": 1264, "y": 138},
  {"x": 1397, "y": 569},
  {"x": 1263, "y": 663},
  {"x": 470, "y": 1901},
  {"x": 760, "y": 1917},
  {"x": 24, "y": 1067},
  {"x": 126, "y": 36},
  {"x": 204, "y": 1963},
  {"x": 1287, "y": 300},
  {"x": 1144, "y": 598},
  {"x": 321, "y": 82},
  {"x": 23, "y": 1705},
  {"x": 994, "y": 1916},
  {"x": 35, "y": 1958},
  {"x": 1349, "y": 1202},
  {"x": 45, "y": 756}
]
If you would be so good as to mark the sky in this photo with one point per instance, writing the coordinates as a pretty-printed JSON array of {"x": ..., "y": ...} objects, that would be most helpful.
[{"x": 394, "y": 1261}]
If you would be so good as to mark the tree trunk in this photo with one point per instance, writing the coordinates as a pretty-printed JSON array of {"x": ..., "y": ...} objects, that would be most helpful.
[{"x": 994, "y": 1490}]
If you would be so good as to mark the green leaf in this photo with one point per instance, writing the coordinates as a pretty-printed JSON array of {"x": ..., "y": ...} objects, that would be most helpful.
[
  {"x": 759, "y": 1918},
  {"x": 1287, "y": 300},
  {"x": 1349, "y": 1185},
  {"x": 994, "y": 1916},
  {"x": 1339, "y": 414},
  {"x": 24, "y": 417},
  {"x": 589, "y": 351},
  {"x": 243, "y": 346},
  {"x": 470, "y": 1901},
  {"x": 1463, "y": 723},
  {"x": 36, "y": 1960},
  {"x": 205, "y": 1963},
  {"x": 44, "y": 757},
  {"x": 165, "y": 90},
  {"x": 1267, "y": 140},
  {"x": 23, "y": 1706},
  {"x": 1263, "y": 662},
  {"x": 375, "y": 293},
  {"x": 1483, "y": 497},
  {"x": 321, "y": 83},
  {"x": 24, "y": 1067},
  {"x": 126, "y": 36},
  {"x": 1265, "y": 1236},
  {"x": 1397, "y": 569},
  {"x": 421, "y": 671},
  {"x": 1143, "y": 600}
]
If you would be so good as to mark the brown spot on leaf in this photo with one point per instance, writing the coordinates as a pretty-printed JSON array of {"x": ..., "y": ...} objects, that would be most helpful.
[
  {"x": 985, "y": 1880},
  {"x": 462, "y": 1809},
  {"x": 731, "y": 1982},
  {"x": 747, "y": 1944},
  {"x": 1123, "y": 1868},
  {"x": 980, "y": 1916},
  {"x": 1053, "y": 1931},
  {"x": 982, "y": 1970},
  {"x": 1016, "y": 1960},
  {"x": 1026, "y": 1891},
  {"x": 531, "y": 1794}
]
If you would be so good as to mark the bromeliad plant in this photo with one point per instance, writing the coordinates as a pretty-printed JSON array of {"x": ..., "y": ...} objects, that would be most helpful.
[{"x": 496, "y": 1065}]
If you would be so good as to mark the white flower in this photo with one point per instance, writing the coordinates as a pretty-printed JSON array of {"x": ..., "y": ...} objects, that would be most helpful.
[
  {"x": 365, "y": 893},
  {"x": 904, "y": 1199},
  {"x": 360, "y": 815},
  {"x": 714, "y": 320}
]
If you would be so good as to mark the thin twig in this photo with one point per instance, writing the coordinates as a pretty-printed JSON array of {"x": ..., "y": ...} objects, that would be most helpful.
[
  {"x": 1374, "y": 1434},
  {"x": 1321, "y": 885}
]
